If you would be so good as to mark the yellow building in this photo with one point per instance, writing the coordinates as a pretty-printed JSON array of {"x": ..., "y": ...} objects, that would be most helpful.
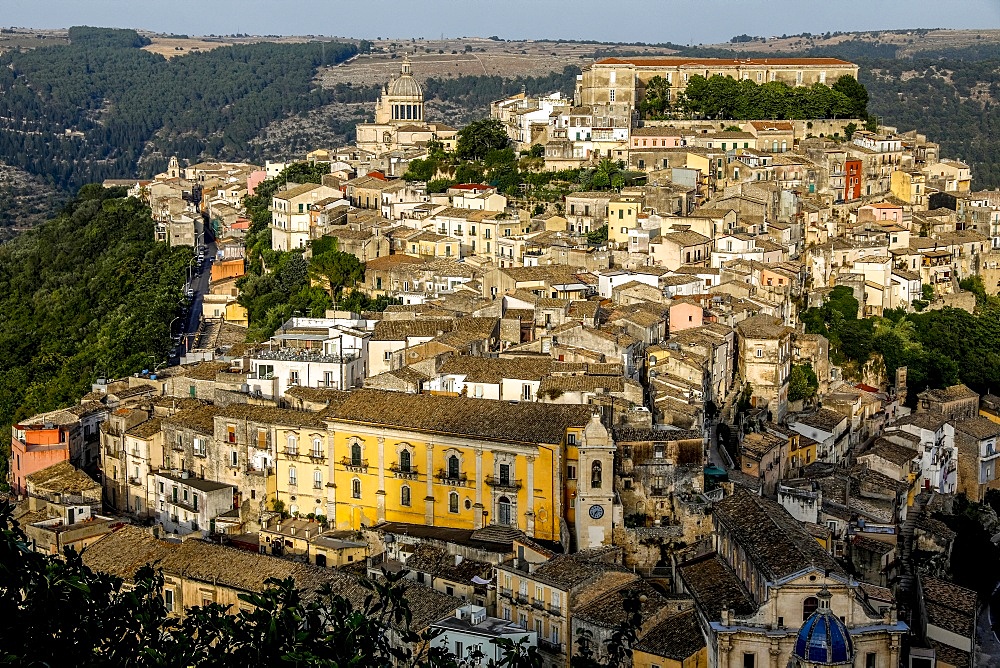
[
  {"x": 236, "y": 314},
  {"x": 464, "y": 463},
  {"x": 623, "y": 215},
  {"x": 801, "y": 451},
  {"x": 302, "y": 463},
  {"x": 909, "y": 186}
]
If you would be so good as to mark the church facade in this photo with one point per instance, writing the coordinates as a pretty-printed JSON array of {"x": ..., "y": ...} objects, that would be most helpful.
[{"x": 399, "y": 118}]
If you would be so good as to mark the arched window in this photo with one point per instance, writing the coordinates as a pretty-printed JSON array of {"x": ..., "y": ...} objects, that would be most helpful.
[
  {"x": 292, "y": 477},
  {"x": 293, "y": 445},
  {"x": 404, "y": 462},
  {"x": 809, "y": 606},
  {"x": 317, "y": 479},
  {"x": 453, "y": 468},
  {"x": 503, "y": 511},
  {"x": 453, "y": 502},
  {"x": 356, "y": 488},
  {"x": 355, "y": 454},
  {"x": 317, "y": 447},
  {"x": 595, "y": 475},
  {"x": 404, "y": 496}
]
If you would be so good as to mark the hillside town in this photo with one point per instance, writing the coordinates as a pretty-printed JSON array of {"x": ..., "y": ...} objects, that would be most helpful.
[{"x": 607, "y": 396}]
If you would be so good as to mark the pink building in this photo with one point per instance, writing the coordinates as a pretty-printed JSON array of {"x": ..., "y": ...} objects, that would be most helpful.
[
  {"x": 685, "y": 314},
  {"x": 255, "y": 179}
]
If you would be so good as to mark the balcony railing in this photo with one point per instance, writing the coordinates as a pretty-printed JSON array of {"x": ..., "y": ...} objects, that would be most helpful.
[
  {"x": 409, "y": 473},
  {"x": 355, "y": 465},
  {"x": 549, "y": 646},
  {"x": 510, "y": 484},
  {"x": 445, "y": 478},
  {"x": 537, "y": 604},
  {"x": 506, "y": 591},
  {"x": 132, "y": 480},
  {"x": 521, "y": 598},
  {"x": 555, "y": 610}
]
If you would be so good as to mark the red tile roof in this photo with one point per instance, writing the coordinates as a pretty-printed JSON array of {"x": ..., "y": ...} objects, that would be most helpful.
[{"x": 672, "y": 61}]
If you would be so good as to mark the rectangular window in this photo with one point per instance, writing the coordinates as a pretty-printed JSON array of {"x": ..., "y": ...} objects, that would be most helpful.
[
  {"x": 870, "y": 660},
  {"x": 231, "y": 434},
  {"x": 265, "y": 371},
  {"x": 611, "y": 95},
  {"x": 571, "y": 472},
  {"x": 526, "y": 392},
  {"x": 234, "y": 458},
  {"x": 749, "y": 660},
  {"x": 458, "y": 649},
  {"x": 317, "y": 480},
  {"x": 522, "y": 620},
  {"x": 168, "y": 599},
  {"x": 262, "y": 439}
]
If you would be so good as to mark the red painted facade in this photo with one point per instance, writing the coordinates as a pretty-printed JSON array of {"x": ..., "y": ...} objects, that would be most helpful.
[{"x": 852, "y": 180}]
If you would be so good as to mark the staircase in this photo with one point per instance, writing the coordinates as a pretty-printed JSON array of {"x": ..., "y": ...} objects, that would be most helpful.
[{"x": 907, "y": 588}]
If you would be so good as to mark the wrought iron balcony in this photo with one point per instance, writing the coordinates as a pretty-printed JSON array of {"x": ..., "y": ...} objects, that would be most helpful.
[
  {"x": 445, "y": 478},
  {"x": 409, "y": 473},
  {"x": 508, "y": 484},
  {"x": 355, "y": 465}
]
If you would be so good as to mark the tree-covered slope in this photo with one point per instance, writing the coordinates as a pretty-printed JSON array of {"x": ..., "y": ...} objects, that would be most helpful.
[
  {"x": 128, "y": 103},
  {"x": 89, "y": 293}
]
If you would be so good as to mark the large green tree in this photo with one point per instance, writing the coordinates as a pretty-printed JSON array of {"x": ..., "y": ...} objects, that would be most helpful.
[
  {"x": 477, "y": 139},
  {"x": 338, "y": 269},
  {"x": 89, "y": 293}
]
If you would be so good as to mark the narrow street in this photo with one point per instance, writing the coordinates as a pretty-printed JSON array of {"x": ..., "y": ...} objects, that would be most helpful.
[{"x": 199, "y": 283}]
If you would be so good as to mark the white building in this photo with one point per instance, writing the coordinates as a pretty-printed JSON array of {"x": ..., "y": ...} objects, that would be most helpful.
[
  {"x": 291, "y": 219},
  {"x": 184, "y": 504},
  {"x": 471, "y": 631},
  {"x": 607, "y": 281}
]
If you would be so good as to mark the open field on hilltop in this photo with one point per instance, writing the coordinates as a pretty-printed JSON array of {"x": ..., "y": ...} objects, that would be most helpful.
[
  {"x": 17, "y": 38},
  {"x": 458, "y": 57},
  {"x": 909, "y": 41}
]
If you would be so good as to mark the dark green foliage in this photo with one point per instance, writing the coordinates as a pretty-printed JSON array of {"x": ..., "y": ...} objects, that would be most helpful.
[
  {"x": 122, "y": 98},
  {"x": 725, "y": 97},
  {"x": 973, "y": 547},
  {"x": 340, "y": 270},
  {"x": 802, "y": 382},
  {"x": 477, "y": 139},
  {"x": 656, "y": 101},
  {"x": 87, "y": 294},
  {"x": 939, "y": 348},
  {"x": 106, "y": 37},
  {"x": 475, "y": 93},
  {"x": 358, "y": 302},
  {"x": 598, "y": 237},
  {"x": 60, "y": 613},
  {"x": 276, "y": 295}
]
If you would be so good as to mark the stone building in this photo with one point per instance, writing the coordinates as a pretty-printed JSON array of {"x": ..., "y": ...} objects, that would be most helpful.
[
  {"x": 763, "y": 593},
  {"x": 765, "y": 362}
]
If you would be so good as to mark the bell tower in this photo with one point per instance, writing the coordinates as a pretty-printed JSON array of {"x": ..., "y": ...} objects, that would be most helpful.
[{"x": 595, "y": 486}]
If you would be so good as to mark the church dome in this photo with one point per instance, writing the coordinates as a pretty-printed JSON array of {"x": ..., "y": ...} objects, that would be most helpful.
[
  {"x": 405, "y": 85},
  {"x": 823, "y": 639}
]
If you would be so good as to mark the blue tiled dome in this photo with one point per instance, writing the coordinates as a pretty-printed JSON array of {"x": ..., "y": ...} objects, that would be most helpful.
[{"x": 823, "y": 638}]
